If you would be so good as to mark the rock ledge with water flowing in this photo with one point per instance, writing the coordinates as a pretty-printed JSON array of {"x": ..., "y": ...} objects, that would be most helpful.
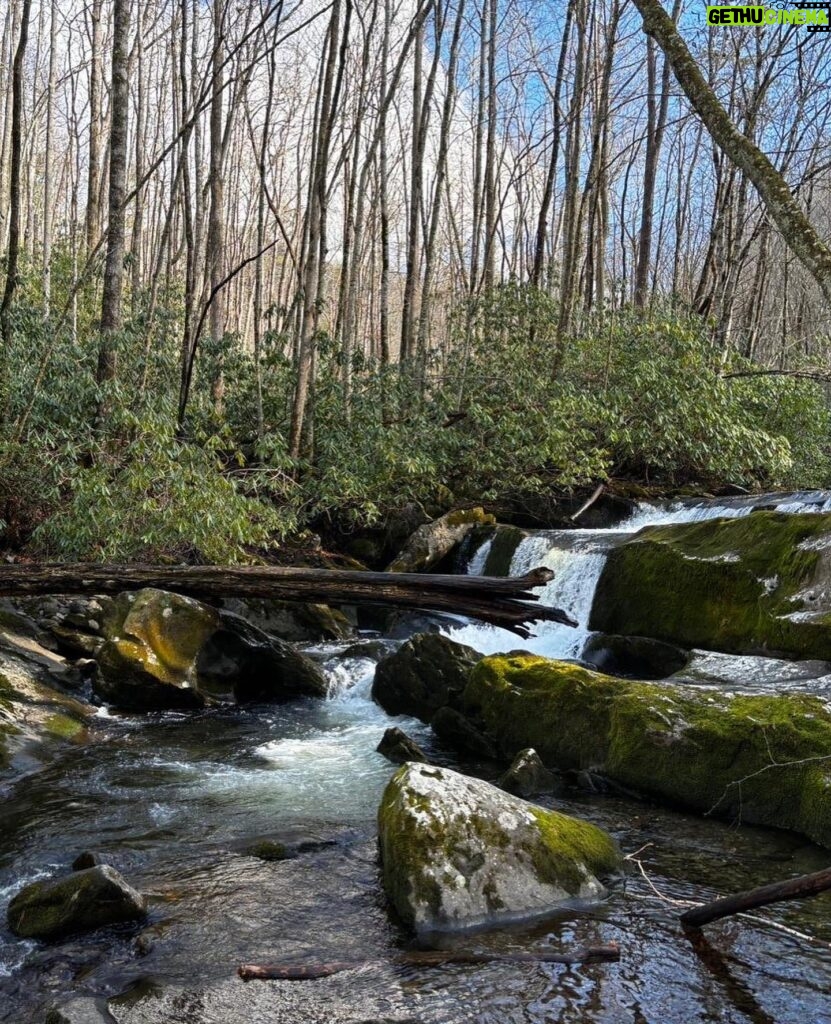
[
  {"x": 756, "y": 759},
  {"x": 77, "y": 902},
  {"x": 760, "y": 584},
  {"x": 457, "y": 852}
]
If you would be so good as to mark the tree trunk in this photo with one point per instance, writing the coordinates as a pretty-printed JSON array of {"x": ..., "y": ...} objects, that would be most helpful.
[
  {"x": 14, "y": 190},
  {"x": 509, "y": 603},
  {"x": 799, "y": 234},
  {"x": 114, "y": 264}
]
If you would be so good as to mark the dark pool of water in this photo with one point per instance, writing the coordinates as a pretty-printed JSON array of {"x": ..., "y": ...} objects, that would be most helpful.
[{"x": 174, "y": 801}]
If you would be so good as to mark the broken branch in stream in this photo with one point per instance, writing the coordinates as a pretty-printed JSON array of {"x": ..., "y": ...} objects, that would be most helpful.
[
  {"x": 506, "y": 602},
  {"x": 431, "y": 958},
  {"x": 791, "y": 889}
]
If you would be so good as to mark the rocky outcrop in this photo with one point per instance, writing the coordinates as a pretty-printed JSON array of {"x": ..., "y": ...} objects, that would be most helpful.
[
  {"x": 635, "y": 657},
  {"x": 458, "y": 852},
  {"x": 168, "y": 651},
  {"x": 433, "y": 541},
  {"x": 77, "y": 902},
  {"x": 297, "y": 623},
  {"x": 758, "y": 759},
  {"x": 38, "y": 718},
  {"x": 428, "y": 672},
  {"x": 759, "y": 584}
]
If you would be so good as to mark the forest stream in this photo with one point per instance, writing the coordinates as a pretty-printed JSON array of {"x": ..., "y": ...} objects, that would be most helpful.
[{"x": 175, "y": 801}]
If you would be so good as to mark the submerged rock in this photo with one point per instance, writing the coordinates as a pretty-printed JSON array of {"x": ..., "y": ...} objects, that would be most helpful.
[
  {"x": 457, "y": 852},
  {"x": 426, "y": 673},
  {"x": 168, "y": 651},
  {"x": 432, "y": 541},
  {"x": 759, "y": 584},
  {"x": 77, "y": 902},
  {"x": 758, "y": 759},
  {"x": 527, "y": 775},
  {"x": 398, "y": 747}
]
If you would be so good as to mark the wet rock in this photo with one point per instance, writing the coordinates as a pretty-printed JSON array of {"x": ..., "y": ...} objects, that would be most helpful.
[
  {"x": 425, "y": 674},
  {"x": 758, "y": 584},
  {"x": 634, "y": 657},
  {"x": 759, "y": 759},
  {"x": 168, "y": 651},
  {"x": 84, "y": 861},
  {"x": 433, "y": 541},
  {"x": 527, "y": 776},
  {"x": 241, "y": 662},
  {"x": 398, "y": 747},
  {"x": 458, "y": 852},
  {"x": 154, "y": 638},
  {"x": 78, "y": 902},
  {"x": 82, "y": 1010},
  {"x": 273, "y": 850},
  {"x": 295, "y": 622},
  {"x": 38, "y": 720},
  {"x": 460, "y": 733},
  {"x": 267, "y": 849}
]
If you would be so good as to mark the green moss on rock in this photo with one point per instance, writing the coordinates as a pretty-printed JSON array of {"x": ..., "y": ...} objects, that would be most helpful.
[
  {"x": 759, "y": 584},
  {"x": 759, "y": 759},
  {"x": 457, "y": 852}
]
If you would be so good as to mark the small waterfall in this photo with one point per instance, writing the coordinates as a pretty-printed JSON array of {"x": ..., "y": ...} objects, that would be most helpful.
[{"x": 577, "y": 558}]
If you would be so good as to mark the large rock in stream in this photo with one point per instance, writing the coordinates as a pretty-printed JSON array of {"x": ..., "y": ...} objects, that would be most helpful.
[
  {"x": 433, "y": 541},
  {"x": 759, "y": 584},
  {"x": 168, "y": 651},
  {"x": 426, "y": 673},
  {"x": 78, "y": 902},
  {"x": 457, "y": 852},
  {"x": 757, "y": 759}
]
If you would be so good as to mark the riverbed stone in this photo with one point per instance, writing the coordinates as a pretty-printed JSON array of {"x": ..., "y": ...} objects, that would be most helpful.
[
  {"x": 77, "y": 902},
  {"x": 457, "y": 852},
  {"x": 426, "y": 673},
  {"x": 433, "y": 541},
  {"x": 527, "y": 776},
  {"x": 758, "y": 584},
  {"x": 758, "y": 759},
  {"x": 398, "y": 747},
  {"x": 636, "y": 657}
]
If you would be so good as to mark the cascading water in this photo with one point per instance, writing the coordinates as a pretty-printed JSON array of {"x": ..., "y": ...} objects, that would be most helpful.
[
  {"x": 175, "y": 802},
  {"x": 577, "y": 558}
]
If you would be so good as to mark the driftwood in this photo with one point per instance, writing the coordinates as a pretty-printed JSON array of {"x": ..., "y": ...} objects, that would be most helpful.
[
  {"x": 506, "y": 602},
  {"x": 792, "y": 889},
  {"x": 431, "y": 958}
]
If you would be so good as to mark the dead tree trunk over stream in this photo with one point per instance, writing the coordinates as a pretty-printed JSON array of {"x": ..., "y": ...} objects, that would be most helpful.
[{"x": 509, "y": 603}]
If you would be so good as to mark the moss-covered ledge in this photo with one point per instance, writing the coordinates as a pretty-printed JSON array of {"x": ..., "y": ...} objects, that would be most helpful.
[
  {"x": 759, "y": 584},
  {"x": 762, "y": 760}
]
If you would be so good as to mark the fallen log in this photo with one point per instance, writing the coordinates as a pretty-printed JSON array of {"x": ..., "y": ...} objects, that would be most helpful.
[
  {"x": 507, "y": 602},
  {"x": 431, "y": 958},
  {"x": 777, "y": 892}
]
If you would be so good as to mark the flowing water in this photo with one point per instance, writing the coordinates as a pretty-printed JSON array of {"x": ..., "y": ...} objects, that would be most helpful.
[{"x": 175, "y": 802}]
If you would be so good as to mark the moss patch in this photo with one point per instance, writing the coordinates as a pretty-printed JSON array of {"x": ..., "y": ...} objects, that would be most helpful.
[
  {"x": 759, "y": 759},
  {"x": 760, "y": 584}
]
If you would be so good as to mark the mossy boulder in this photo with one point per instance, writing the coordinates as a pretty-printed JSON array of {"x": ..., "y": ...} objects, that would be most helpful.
[
  {"x": 77, "y": 902},
  {"x": 296, "y": 622},
  {"x": 433, "y": 541},
  {"x": 169, "y": 651},
  {"x": 457, "y": 852},
  {"x": 148, "y": 659},
  {"x": 759, "y": 584},
  {"x": 426, "y": 673},
  {"x": 757, "y": 759}
]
